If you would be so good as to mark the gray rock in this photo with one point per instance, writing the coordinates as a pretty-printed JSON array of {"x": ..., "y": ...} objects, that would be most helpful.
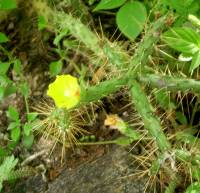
[{"x": 107, "y": 174}]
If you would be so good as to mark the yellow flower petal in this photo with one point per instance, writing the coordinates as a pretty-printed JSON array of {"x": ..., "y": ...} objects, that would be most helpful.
[{"x": 65, "y": 91}]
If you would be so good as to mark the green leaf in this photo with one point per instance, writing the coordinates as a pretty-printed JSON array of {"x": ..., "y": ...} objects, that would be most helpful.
[
  {"x": 56, "y": 67},
  {"x": 42, "y": 23},
  {"x": 10, "y": 89},
  {"x": 31, "y": 116},
  {"x": 187, "y": 137},
  {"x": 195, "y": 61},
  {"x": 124, "y": 141},
  {"x": 181, "y": 6},
  {"x": 17, "y": 66},
  {"x": 4, "y": 80},
  {"x": 3, "y": 38},
  {"x": 2, "y": 90},
  {"x": 8, "y": 4},
  {"x": 109, "y": 4},
  {"x": 131, "y": 19},
  {"x": 15, "y": 134},
  {"x": 185, "y": 40},
  {"x": 193, "y": 188},
  {"x": 181, "y": 118},
  {"x": 27, "y": 128},
  {"x": 11, "y": 145},
  {"x": 3, "y": 152},
  {"x": 129, "y": 132},
  {"x": 4, "y": 66},
  {"x": 28, "y": 140},
  {"x": 24, "y": 89},
  {"x": 13, "y": 125},
  {"x": 196, "y": 173},
  {"x": 59, "y": 37},
  {"x": 12, "y": 113},
  {"x": 91, "y": 2},
  {"x": 6, "y": 168}
]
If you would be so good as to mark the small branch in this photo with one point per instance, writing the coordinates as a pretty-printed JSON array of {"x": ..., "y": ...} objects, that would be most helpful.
[
  {"x": 170, "y": 83},
  {"x": 146, "y": 111}
]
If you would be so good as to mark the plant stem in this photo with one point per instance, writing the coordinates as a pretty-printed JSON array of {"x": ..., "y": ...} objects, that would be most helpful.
[
  {"x": 103, "y": 89},
  {"x": 170, "y": 83},
  {"x": 26, "y": 104},
  {"x": 145, "y": 48},
  {"x": 150, "y": 121},
  {"x": 103, "y": 49}
]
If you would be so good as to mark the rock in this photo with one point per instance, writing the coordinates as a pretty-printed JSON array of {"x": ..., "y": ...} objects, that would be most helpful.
[{"x": 109, "y": 173}]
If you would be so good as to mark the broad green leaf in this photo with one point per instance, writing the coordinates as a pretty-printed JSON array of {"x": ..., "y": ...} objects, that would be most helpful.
[
  {"x": 12, "y": 113},
  {"x": 8, "y": 4},
  {"x": 10, "y": 89},
  {"x": 131, "y": 19},
  {"x": 2, "y": 90},
  {"x": 4, "y": 80},
  {"x": 42, "y": 23},
  {"x": 3, "y": 38},
  {"x": 27, "y": 128},
  {"x": 55, "y": 67},
  {"x": 4, "y": 66},
  {"x": 183, "y": 39},
  {"x": 24, "y": 89},
  {"x": 109, "y": 4},
  {"x": 13, "y": 125},
  {"x": 31, "y": 116},
  {"x": 28, "y": 140},
  {"x": 195, "y": 61},
  {"x": 181, "y": 6},
  {"x": 17, "y": 66},
  {"x": 15, "y": 134},
  {"x": 193, "y": 188}
]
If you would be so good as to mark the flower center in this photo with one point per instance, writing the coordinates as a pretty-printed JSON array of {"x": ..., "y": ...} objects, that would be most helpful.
[{"x": 67, "y": 93}]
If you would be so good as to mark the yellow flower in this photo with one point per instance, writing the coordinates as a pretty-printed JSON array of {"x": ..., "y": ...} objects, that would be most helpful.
[{"x": 65, "y": 91}]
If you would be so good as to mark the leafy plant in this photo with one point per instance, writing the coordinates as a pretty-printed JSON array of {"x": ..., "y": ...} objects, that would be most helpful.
[
  {"x": 6, "y": 168},
  {"x": 187, "y": 41},
  {"x": 3, "y": 38},
  {"x": 130, "y": 18},
  {"x": 154, "y": 87},
  {"x": 16, "y": 126},
  {"x": 107, "y": 4},
  {"x": 8, "y": 171},
  {"x": 8, "y": 4},
  {"x": 193, "y": 188}
]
